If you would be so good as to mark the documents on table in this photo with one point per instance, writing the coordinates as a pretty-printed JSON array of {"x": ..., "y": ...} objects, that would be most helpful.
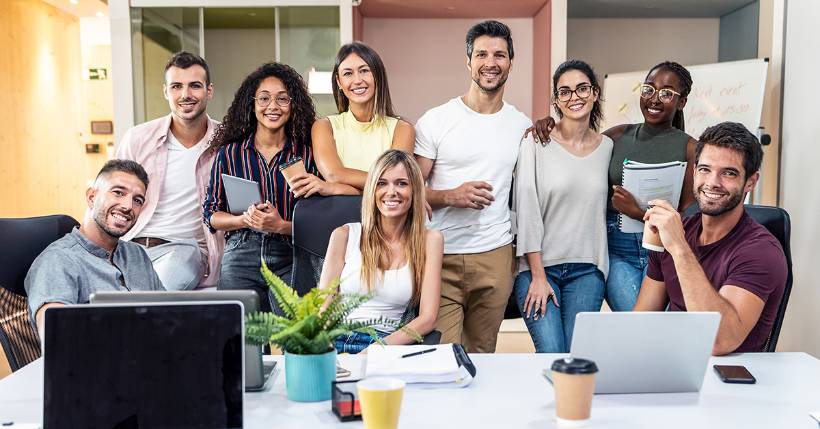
[
  {"x": 439, "y": 365},
  {"x": 647, "y": 182}
]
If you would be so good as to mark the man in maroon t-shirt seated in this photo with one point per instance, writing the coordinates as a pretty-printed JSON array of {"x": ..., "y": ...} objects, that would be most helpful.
[{"x": 720, "y": 259}]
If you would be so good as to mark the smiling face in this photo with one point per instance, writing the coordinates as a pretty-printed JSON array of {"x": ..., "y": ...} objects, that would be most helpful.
[
  {"x": 356, "y": 80},
  {"x": 394, "y": 192},
  {"x": 187, "y": 92},
  {"x": 655, "y": 112},
  {"x": 274, "y": 116},
  {"x": 575, "y": 84},
  {"x": 490, "y": 63},
  {"x": 719, "y": 181},
  {"x": 116, "y": 202}
]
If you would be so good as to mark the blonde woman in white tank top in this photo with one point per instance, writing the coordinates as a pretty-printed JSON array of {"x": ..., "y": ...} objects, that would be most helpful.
[{"x": 390, "y": 254}]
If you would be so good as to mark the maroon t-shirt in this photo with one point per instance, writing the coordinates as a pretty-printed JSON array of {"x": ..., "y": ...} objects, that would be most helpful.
[{"x": 748, "y": 257}]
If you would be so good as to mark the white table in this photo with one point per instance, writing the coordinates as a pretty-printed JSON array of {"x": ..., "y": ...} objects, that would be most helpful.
[{"x": 509, "y": 392}]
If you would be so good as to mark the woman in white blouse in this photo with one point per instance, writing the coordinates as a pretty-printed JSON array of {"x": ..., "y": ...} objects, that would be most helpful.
[{"x": 390, "y": 254}]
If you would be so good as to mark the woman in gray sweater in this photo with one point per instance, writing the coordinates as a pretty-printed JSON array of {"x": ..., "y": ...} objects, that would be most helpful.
[{"x": 560, "y": 203}]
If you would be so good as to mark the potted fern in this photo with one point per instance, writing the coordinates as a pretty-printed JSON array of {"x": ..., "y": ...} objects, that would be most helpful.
[{"x": 306, "y": 333}]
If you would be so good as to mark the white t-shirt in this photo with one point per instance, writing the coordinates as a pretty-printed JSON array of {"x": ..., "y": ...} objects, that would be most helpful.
[
  {"x": 179, "y": 215},
  {"x": 470, "y": 146},
  {"x": 392, "y": 292}
]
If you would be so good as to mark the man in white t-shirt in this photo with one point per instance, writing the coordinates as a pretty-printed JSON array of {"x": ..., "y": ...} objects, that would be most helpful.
[
  {"x": 467, "y": 149},
  {"x": 174, "y": 152}
]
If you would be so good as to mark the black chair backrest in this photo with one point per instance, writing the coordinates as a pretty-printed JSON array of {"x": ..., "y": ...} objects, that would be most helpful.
[
  {"x": 314, "y": 219},
  {"x": 28, "y": 237},
  {"x": 777, "y": 221}
]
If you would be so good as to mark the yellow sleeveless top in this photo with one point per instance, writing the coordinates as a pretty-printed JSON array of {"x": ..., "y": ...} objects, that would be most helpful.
[{"x": 360, "y": 143}]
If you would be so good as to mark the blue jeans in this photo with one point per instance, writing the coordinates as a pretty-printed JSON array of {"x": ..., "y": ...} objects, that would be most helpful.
[
  {"x": 241, "y": 264},
  {"x": 577, "y": 287},
  {"x": 355, "y": 342},
  {"x": 627, "y": 265}
]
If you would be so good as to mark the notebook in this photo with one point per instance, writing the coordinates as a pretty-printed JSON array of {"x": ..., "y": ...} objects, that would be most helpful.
[
  {"x": 443, "y": 364},
  {"x": 647, "y": 182}
]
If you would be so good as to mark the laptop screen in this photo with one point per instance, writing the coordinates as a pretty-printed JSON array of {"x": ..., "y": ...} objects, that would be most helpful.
[{"x": 143, "y": 366}]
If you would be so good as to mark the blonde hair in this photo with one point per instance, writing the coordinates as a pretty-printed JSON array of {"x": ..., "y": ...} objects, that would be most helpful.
[{"x": 373, "y": 245}]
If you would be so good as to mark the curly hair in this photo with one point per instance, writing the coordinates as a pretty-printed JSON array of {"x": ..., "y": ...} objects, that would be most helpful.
[
  {"x": 240, "y": 121},
  {"x": 685, "y": 86},
  {"x": 596, "y": 116}
]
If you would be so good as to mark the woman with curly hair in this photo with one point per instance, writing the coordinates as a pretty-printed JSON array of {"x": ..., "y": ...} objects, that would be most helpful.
[
  {"x": 347, "y": 144},
  {"x": 267, "y": 126}
]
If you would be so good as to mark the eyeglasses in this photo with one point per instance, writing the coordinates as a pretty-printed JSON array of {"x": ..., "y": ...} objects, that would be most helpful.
[
  {"x": 665, "y": 95},
  {"x": 582, "y": 91},
  {"x": 264, "y": 99}
]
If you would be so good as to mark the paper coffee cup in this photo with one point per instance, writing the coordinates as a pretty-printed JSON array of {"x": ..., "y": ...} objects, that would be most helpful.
[
  {"x": 574, "y": 383},
  {"x": 380, "y": 399},
  {"x": 651, "y": 239},
  {"x": 290, "y": 170}
]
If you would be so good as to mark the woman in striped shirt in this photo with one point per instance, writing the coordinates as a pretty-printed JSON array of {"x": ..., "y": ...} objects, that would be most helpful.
[{"x": 267, "y": 125}]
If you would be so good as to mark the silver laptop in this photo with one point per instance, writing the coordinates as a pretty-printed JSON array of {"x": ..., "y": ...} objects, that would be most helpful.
[
  {"x": 241, "y": 193},
  {"x": 646, "y": 352},
  {"x": 257, "y": 372}
]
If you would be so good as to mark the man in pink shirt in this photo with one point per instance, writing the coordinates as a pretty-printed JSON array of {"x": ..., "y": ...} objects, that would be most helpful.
[{"x": 175, "y": 152}]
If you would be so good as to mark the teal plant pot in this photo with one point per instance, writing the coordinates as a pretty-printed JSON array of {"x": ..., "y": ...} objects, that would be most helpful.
[{"x": 308, "y": 377}]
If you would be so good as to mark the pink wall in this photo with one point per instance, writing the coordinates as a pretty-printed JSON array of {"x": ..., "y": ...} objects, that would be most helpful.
[
  {"x": 541, "y": 31},
  {"x": 358, "y": 24},
  {"x": 426, "y": 61}
]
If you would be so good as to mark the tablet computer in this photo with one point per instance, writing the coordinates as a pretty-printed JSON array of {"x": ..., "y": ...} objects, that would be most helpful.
[{"x": 241, "y": 193}]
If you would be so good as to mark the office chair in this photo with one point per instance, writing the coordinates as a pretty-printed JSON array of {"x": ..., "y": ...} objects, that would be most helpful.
[
  {"x": 314, "y": 219},
  {"x": 26, "y": 238},
  {"x": 778, "y": 222}
]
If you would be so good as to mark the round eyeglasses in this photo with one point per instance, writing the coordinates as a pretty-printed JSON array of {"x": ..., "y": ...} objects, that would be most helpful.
[
  {"x": 264, "y": 99},
  {"x": 665, "y": 95},
  {"x": 582, "y": 91}
]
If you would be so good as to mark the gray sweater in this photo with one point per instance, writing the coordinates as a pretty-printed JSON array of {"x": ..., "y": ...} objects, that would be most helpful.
[{"x": 560, "y": 202}]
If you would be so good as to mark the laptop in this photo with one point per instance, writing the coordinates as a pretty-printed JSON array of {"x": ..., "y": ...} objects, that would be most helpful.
[
  {"x": 143, "y": 366},
  {"x": 646, "y": 352},
  {"x": 257, "y": 372},
  {"x": 241, "y": 193}
]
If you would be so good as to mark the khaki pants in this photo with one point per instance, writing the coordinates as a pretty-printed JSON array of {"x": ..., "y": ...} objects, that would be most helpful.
[{"x": 475, "y": 289}]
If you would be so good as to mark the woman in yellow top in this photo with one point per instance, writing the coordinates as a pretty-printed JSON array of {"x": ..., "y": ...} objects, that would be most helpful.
[{"x": 347, "y": 144}]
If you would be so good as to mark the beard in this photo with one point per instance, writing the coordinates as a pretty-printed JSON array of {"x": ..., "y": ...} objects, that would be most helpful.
[
  {"x": 717, "y": 209},
  {"x": 100, "y": 219},
  {"x": 502, "y": 79}
]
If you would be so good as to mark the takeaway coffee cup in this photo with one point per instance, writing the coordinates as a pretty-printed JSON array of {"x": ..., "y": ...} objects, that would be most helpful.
[
  {"x": 293, "y": 167},
  {"x": 574, "y": 383},
  {"x": 651, "y": 239}
]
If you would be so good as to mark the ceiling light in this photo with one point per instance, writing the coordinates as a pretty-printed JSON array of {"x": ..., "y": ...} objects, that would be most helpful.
[
  {"x": 73, "y": 1},
  {"x": 100, "y": 15},
  {"x": 451, "y": 8}
]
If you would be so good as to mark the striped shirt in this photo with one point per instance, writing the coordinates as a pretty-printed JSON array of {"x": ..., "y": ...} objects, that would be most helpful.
[{"x": 241, "y": 159}]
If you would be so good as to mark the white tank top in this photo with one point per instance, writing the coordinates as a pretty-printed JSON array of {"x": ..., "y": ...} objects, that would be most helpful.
[{"x": 392, "y": 291}]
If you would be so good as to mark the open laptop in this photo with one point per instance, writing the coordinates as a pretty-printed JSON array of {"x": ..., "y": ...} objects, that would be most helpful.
[
  {"x": 143, "y": 366},
  {"x": 257, "y": 372},
  {"x": 646, "y": 352}
]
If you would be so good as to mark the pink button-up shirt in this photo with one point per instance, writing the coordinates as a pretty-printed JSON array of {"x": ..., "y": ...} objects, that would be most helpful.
[{"x": 146, "y": 144}]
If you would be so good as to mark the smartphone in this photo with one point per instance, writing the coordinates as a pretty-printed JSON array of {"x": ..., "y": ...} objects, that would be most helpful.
[{"x": 734, "y": 374}]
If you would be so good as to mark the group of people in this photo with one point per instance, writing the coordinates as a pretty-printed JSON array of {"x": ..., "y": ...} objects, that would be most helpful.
[{"x": 439, "y": 238}]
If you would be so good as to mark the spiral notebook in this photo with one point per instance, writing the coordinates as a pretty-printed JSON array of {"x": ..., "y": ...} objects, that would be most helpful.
[{"x": 647, "y": 182}]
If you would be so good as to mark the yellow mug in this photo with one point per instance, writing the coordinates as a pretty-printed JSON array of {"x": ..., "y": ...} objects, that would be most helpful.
[{"x": 380, "y": 399}]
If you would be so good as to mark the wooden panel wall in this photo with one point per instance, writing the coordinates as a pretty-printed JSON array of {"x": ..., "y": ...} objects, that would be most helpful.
[{"x": 43, "y": 165}]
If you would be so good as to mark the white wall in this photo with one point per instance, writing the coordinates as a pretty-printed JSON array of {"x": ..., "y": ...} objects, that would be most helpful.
[
  {"x": 621, "y": 45},
  {"x": 800, "y": 183},
  {"x": 426, "y": 61}
]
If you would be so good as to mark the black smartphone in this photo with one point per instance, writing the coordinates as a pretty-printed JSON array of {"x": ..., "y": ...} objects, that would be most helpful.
[{"x": 734, "y": 374}]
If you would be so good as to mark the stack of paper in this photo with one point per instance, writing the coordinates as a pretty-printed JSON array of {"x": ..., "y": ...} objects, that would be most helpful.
[
  {"x": 647, "y": 182},
  {"x": 437, "y": 366}
]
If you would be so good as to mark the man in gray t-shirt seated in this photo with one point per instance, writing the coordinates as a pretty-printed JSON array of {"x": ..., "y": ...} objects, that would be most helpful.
[{"x": 92, "y": 258}]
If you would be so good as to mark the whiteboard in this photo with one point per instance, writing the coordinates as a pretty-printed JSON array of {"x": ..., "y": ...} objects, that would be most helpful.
[{"x": 730, "y": 91}]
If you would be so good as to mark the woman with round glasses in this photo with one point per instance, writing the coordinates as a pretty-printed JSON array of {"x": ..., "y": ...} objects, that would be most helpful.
[
  {"x": 347, "y": 144},
  {"x": 560, "y": 203},
  {"x": 659, "y": 138},
  {"x": 267, "y": 126}
]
